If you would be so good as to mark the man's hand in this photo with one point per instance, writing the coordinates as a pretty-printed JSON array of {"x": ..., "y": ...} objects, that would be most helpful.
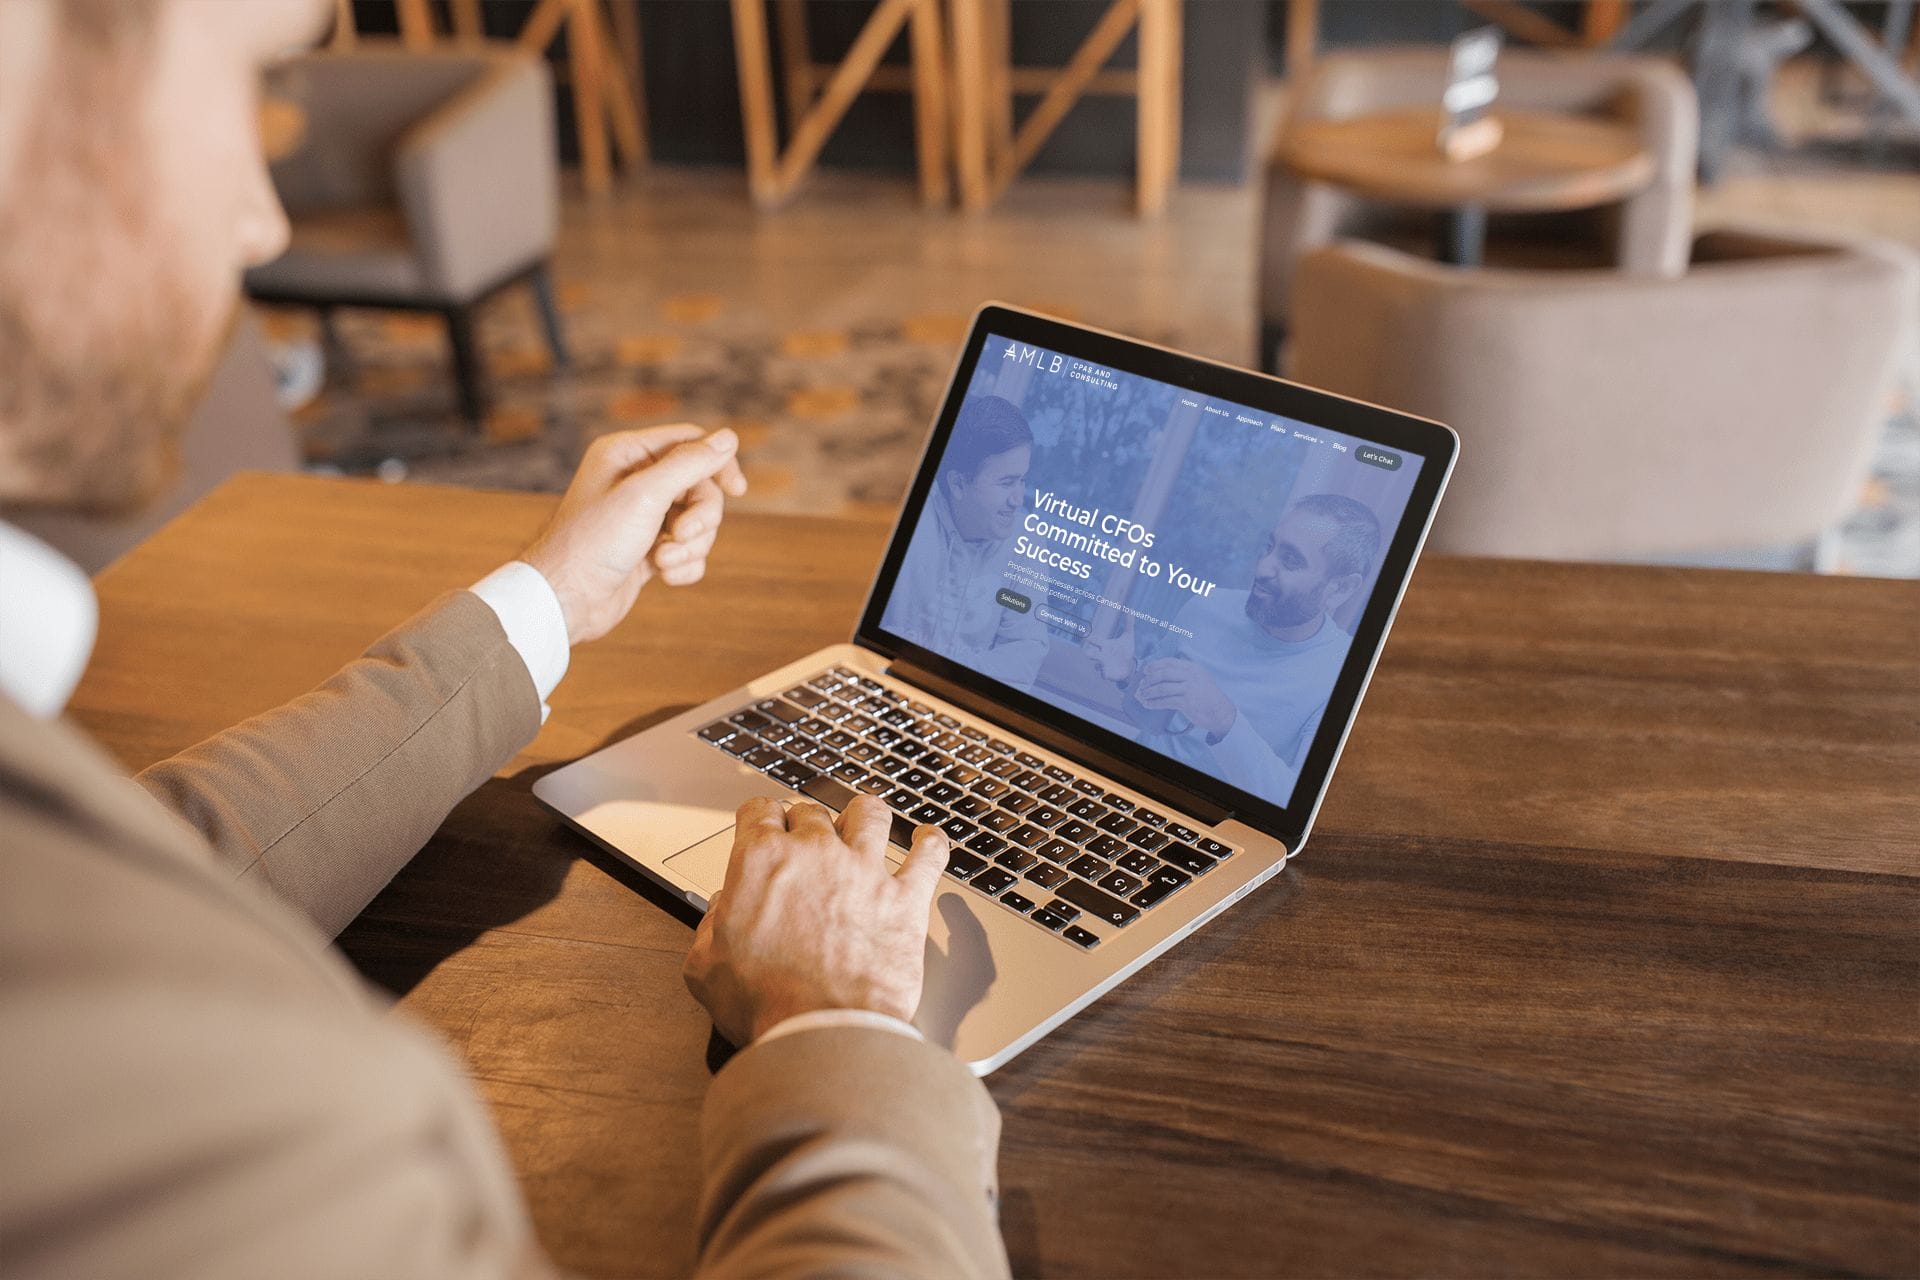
[
  {"x": 1180, "y": 685},
  {"x": 604, "y": 542},
  {"x": 1113, "y": 655},
  {"x": 812, "y": 918}
]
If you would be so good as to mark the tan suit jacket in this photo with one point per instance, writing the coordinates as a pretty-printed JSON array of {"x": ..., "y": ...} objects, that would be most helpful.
[{"x": 192, "y": 1081}]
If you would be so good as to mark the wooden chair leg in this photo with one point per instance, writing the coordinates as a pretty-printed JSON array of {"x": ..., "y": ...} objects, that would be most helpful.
[
  {"x": 929, "y": 102},
  {"x": 469, "y": 376},
  {"x": 542, "y": 281}
]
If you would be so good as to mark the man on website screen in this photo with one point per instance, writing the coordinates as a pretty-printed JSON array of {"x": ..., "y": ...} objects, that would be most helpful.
[{"x": 1180, "y": 570}]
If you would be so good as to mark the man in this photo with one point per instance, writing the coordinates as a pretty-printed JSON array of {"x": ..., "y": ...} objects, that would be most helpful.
[
  {"x": 1241, "y": 699},
  {"x": 944, "y": 598},
  {"x": 193, "y": 1082}
]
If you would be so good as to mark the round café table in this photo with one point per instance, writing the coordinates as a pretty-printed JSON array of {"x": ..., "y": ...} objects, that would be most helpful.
[{"x": 1544, "y": 163}]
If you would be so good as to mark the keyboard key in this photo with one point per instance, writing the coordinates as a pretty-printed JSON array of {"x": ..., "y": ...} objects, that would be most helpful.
[
  {"x": 874, "y": 784},
  {"x": 1117, "y": 823},
  {"x": 1138, "y": 863},
  {"x": 1046, "y": 875},
  {"x": 1057, "y": 796},
  {"x": 1001, "y": 768},
  {"x": 1026, "y": 835},
  {"x": 1016, "y": 860},
  {"x": 789, "y": 774},
  {"x": 958, "y": 829},
  {"x": 1080, "y": 937},
  {"x": 1107, "y": 847},
  {"x": 918, "y": 779},
  {"x": 902, "y": 800},
  {"x": 859, "y": 724},
  {"x": 1004, "y": 748},
  {"x": 1027, "y": 779},
  {"x": 870, "y": 684},
  {"x": 849, "y": 773},
  {"x": 1087, "y": 810},
  {"x": 961, "y": 864},
  {"x": 1065, "y": 910},
  {"x": 1213, "y": 848},
  {"x": 993, "y": 880},
  {"x": 1121, "y": 803},
  {"x": 1188, "y": 859},
  {"x": 946, "y": 721},
  {"x": 1147, "y": 838},
  {"x": 785, "y": 712},
  {"x": 776, "y": 733},
  {"x": 930, "y": 814},
  {"x": 1047, "y": 920},
  {"x": 1018, "y": 901},
  {"x": 920, "y": 708},
  {"x": 719, "y": 731},
  {"x": 986, "y": 844},
  {"x": 1085, "y": 787},
  {"x": 975, "y": 755},
  {"x": 1150, "y": 818},
  {"x": 1030, "y": 760},
  {"x": 891, "y": 765},
  {"x": 885, "y": 737},
  {"x": 1058, "y": 774},
  {"x": 944, "y": 793},
  {"x": 948, "y": 741},
  {"x": 908, "y": 749},
  {"x": 806, "y": 697},
  {"x": 1077, "y": 832},
  {"x": 1161, "y": 883},
  {"x": 1018, "y": 803},
  {"x": 752, "y": 721},
  {"x": 1179, "y": 832},
  {"x": 934, "y": 762},
  {"x": 990, "y": 788},
  {"x": 814, "y": 727},
  {"x": 961, "y": 774},
  {"x": 965, "y": 805},
  {"x": 864, "y": 751},
  {"x": 1042, "y": 816},
  {"x": 761, "y": 757},
  {"x": 1058, "y": 851},
  {"x": 1088, "y": 866},
  {"x": 999, "y": 820},
  {"x": 832, "y": 711},
  {"x": 1098, "y": 903},
  {"x": 839, "y": 740},
  {"x": 1119, "y": 883},
  {"x": 898, "y": 717},
  {"x": 972, "y": 734}
]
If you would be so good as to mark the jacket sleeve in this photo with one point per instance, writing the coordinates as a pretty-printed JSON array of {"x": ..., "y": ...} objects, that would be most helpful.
[
  {"x": 324, "y": 799},
  {"x": 850, "y": 1151}
]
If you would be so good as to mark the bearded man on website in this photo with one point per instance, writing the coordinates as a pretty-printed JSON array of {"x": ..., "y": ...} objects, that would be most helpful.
[{"x": 194, "y": 1082}]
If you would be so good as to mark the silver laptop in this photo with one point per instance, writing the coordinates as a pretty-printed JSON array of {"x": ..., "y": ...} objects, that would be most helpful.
[{"x": 1121, "y": 631}]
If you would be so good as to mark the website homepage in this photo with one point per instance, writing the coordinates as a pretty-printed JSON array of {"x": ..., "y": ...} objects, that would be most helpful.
[{"x": 1182, "y": 571}]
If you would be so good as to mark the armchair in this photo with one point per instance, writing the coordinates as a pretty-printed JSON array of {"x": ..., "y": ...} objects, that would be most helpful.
[{"x": 427, "y": 181}]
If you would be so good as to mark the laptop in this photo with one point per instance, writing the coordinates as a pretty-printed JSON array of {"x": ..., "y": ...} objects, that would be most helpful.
[{"x": 1120, "y": 634}]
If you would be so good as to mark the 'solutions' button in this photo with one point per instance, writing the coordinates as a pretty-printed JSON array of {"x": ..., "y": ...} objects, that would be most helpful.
[
  {"x": 1377, "y": 457},
  {"x": 1020, "y": 604}
]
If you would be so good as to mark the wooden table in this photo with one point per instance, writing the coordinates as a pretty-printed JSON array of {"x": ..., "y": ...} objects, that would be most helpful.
[
  {"x": 1602, "y": 961},
  {"x": 1545, "y": 163}
]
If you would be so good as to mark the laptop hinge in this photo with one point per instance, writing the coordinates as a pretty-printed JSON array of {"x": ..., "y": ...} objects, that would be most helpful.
[{"x": 1208, "y": 811}]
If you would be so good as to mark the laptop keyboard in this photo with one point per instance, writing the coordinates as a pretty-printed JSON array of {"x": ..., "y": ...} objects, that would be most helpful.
[{"x": 1049, "y": 844}]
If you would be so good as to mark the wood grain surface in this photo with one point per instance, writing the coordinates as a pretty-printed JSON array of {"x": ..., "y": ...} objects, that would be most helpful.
[
  {"x": 1602, "y": 959},
  {"x": 1544, "y": 162}
]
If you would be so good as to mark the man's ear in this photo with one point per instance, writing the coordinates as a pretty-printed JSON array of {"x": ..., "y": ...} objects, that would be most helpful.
[{"x": 1341, "y": 589}]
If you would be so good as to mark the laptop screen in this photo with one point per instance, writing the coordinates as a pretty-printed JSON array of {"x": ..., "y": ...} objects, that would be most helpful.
[{"x": 1180, "y": 570}]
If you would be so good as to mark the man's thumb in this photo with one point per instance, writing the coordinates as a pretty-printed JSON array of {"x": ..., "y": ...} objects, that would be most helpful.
[
  {"x": 926, "y": 860},
  {"x": 686, "y": 465}
]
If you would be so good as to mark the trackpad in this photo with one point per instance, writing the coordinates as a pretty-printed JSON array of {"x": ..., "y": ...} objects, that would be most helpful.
[{"x": 705, "y": 864}]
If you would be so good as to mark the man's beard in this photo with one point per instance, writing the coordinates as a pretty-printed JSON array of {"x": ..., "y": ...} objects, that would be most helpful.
[
  {"x": 1279, "y": 610},
  {"x": 105, "y": 345}
]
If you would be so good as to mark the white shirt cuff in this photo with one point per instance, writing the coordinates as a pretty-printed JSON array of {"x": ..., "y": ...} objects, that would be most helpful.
[
  {"x": 839, "y": 1018},
  {"x": 529, "y": 613}
]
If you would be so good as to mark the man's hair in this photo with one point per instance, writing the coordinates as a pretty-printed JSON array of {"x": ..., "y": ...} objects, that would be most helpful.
[
  {"x": 987, "y": 425},
  {"x": 1355, "y": 540}
]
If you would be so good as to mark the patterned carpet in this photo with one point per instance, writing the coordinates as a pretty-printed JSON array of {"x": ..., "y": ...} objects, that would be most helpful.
[{"x": 831, "y": 421}]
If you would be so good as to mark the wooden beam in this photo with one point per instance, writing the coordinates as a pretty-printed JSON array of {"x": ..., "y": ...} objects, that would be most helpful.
[
  {"x": 801, "y": 74},
  {"x": 865, "y": 54},
  {"x": 969, "y": 106},
  {"x": 1303, "y": 36},
  {"x": 1601, "y": 21},
  {"x": 1117, "y": 82},
  {"x": 543, "y": 24},
  {"x": 754, "y": 62},
  {"x": 467, "y": 23},
  {"x": 345, "y": 34},
  {"x": 416, "y": 24},
  {"x": 630, "y": 58},
  {"x": 585, "y": 68},
  {"x": 928, "y": 64},
  {"x": 1156, "y": 146},
  {"x": 1523, "y": 22}
]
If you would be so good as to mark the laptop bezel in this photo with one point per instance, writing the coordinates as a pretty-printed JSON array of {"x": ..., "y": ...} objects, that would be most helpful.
[{"x": 1434, "y": 443}]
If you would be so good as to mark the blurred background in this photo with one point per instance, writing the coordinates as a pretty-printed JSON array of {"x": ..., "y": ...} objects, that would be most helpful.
[{"x": 1670, "y": 308}]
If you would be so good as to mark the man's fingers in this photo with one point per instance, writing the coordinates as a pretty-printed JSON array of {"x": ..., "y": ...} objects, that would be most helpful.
[
  {"x": 865, "y": 824},
  {"x": 618, "y": 452},
  {"x": 926, "y": 862},
  {"x": 757, "y": 820},
  {"x": 808, "y": 818},
  {"x": 732, "y": 482},
  {"x": 685, "y": 465},
  {"x": 699, "y": 513}
]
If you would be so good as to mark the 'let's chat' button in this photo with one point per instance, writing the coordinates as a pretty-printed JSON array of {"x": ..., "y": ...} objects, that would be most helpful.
[{"x": 1377, "y": 457}]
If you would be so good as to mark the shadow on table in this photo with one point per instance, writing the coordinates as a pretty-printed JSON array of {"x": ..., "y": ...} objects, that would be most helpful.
[{"x": 499, "y": 856}]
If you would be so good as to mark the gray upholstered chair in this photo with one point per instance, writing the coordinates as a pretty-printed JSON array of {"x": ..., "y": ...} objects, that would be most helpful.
[
  {"x": 1644, "y": 235},
  {"x": 1727, "y": 416},
  {"x": 238, "y": 426},
  {"x": 426, "y": 181}
]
